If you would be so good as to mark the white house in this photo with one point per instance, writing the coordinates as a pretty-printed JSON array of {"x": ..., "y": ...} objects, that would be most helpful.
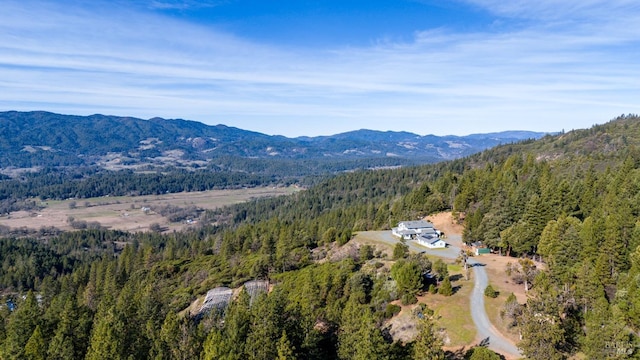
[
  {"x": 411, "y": 229},
  {"x": 432, "y": 241}
]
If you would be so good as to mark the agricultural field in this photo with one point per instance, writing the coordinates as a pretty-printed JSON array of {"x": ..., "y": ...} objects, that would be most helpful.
[{"x": 136, "y": 213}]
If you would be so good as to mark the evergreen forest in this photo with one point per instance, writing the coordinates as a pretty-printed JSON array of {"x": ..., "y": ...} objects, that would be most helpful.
[{"x": 570, "y": 201}]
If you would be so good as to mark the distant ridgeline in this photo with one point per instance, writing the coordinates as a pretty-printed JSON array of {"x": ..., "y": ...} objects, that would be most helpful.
[
  {"x": 29, "y": 139},
  {"x": 55, "y": 156}
]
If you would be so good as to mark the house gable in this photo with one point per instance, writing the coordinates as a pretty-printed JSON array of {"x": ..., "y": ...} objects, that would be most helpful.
[
  {"x": 411, "y": 229},
  {"x": 431, "y": 241}
]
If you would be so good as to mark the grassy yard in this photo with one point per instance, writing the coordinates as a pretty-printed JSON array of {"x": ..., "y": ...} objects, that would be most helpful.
[
  {"x": 453, "y": 312},
  {"x": 493, "y": 308}
]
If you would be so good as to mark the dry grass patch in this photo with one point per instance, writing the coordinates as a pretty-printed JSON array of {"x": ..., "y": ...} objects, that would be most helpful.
[
  {"x": 493, "y": 308},
  {"x": 501, "y": 282},
  {"x": 445, "y": 222},
  {"x": 402, "y": 327},
  {"x": 368, "y": 238},
  {"x": 125, "y": 212},
  {"x": 495, "y": 267},
  {"x": 453, "y": 314}
]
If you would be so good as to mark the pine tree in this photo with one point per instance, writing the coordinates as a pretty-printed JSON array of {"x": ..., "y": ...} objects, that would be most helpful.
[
  {"x": 441, "y": 269},
  {"x": 614, "y": 246},
  {"x": 588, "y": 287},
  {"x": 103, "y": 343},
  {"x": 270, "y": 317},
  {"x": 560, "y": 244},
  {"x": 359, "y": 338},
  {"x": 408, "y": 276},
  {"x": 590, "y": 237},
  {"x": 606, "y": 336},
  {"x": 628, "y": 295},
  {"x": 350, "y": 324},
  {"x": 428, "y": 345},
  {"x": 489, "y": 291},
  {"x": 541, "y": 326},
  {"x": 129, "y": 330},
  {"x": 63, "y": 345},
  {"x": 170, "y": 335},
  {"x": 445, "y": 287},
  {"x": 371, "y": 345},
  {"x": 21, "y": 326},
  {"x": 213, "y": 348},
  {"x": 400, "y": 251},
  {"x": 229, "y": 342},
  {"x": 36, "y": 347},
  {"x": 180, "y": 338},
  {"x": 285, "y": 350},
  {"x": 536, "y": 215}
]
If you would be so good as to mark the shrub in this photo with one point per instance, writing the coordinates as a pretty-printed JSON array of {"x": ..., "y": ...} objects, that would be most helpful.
[
  {"x": 408, "y": 299},
  {"x": 400, "y": 251},
  {"x": 482, "y": 353},
  {"x": 489, "y": 291},
  {"x": 391, "y": 310},
  {"x": 445, "y": 288},
  {"x": 441, "y": 269},
  {"x": 511, "y": 310},
  {"x": 423, "y": 310},
  {"x": 155, "y": 227},
  {"x": 365, "y": 252},
  {"x": 433, "y": 289}
]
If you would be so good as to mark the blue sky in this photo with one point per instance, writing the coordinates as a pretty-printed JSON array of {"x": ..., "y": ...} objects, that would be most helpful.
[{"x": 302, "y": 67}]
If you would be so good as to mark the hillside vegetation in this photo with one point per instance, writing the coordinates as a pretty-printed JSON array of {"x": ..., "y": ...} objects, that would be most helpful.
[
  {"x": 42, "y": 139},
  {"x": 114, "y": 295}
]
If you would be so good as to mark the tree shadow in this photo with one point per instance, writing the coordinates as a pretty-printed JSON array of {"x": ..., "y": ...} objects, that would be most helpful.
[
  {"x": 477, "y": 264},
  {"x": 458, "y": 354},
  {"x": 485, "y": 342}
]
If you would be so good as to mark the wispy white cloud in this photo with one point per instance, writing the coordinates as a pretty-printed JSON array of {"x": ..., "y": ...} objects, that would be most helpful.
[
  {"x": 182, "y": 4},
  {"x": 542, "y": 75},
  {"x": 602, "y": 10}
]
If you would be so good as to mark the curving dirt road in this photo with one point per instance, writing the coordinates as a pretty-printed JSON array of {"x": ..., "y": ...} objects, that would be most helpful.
[{"x": 486, "y": 331}]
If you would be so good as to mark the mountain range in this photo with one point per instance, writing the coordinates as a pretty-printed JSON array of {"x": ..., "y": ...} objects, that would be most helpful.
[{"x": 43, "y": 139}]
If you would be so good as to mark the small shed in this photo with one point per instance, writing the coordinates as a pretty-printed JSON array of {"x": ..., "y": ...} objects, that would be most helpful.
[{"x": 479, "y": 248}]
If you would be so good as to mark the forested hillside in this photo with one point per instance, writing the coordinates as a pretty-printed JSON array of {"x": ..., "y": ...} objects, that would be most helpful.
[
  {"x": 574, "y": 200},
  {"x": 103, "y": 294},
  {"x": 42, "y": 139}
]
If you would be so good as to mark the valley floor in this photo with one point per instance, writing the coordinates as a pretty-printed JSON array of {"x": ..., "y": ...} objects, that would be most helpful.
[{"x": 133, "y": 213}]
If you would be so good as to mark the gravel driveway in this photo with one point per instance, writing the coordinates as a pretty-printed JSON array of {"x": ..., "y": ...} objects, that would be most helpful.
[{"x": 486, "y": 331}]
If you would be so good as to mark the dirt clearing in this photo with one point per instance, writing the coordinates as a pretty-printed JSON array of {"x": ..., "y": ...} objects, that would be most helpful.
[{"x": 446, "y": 223}]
